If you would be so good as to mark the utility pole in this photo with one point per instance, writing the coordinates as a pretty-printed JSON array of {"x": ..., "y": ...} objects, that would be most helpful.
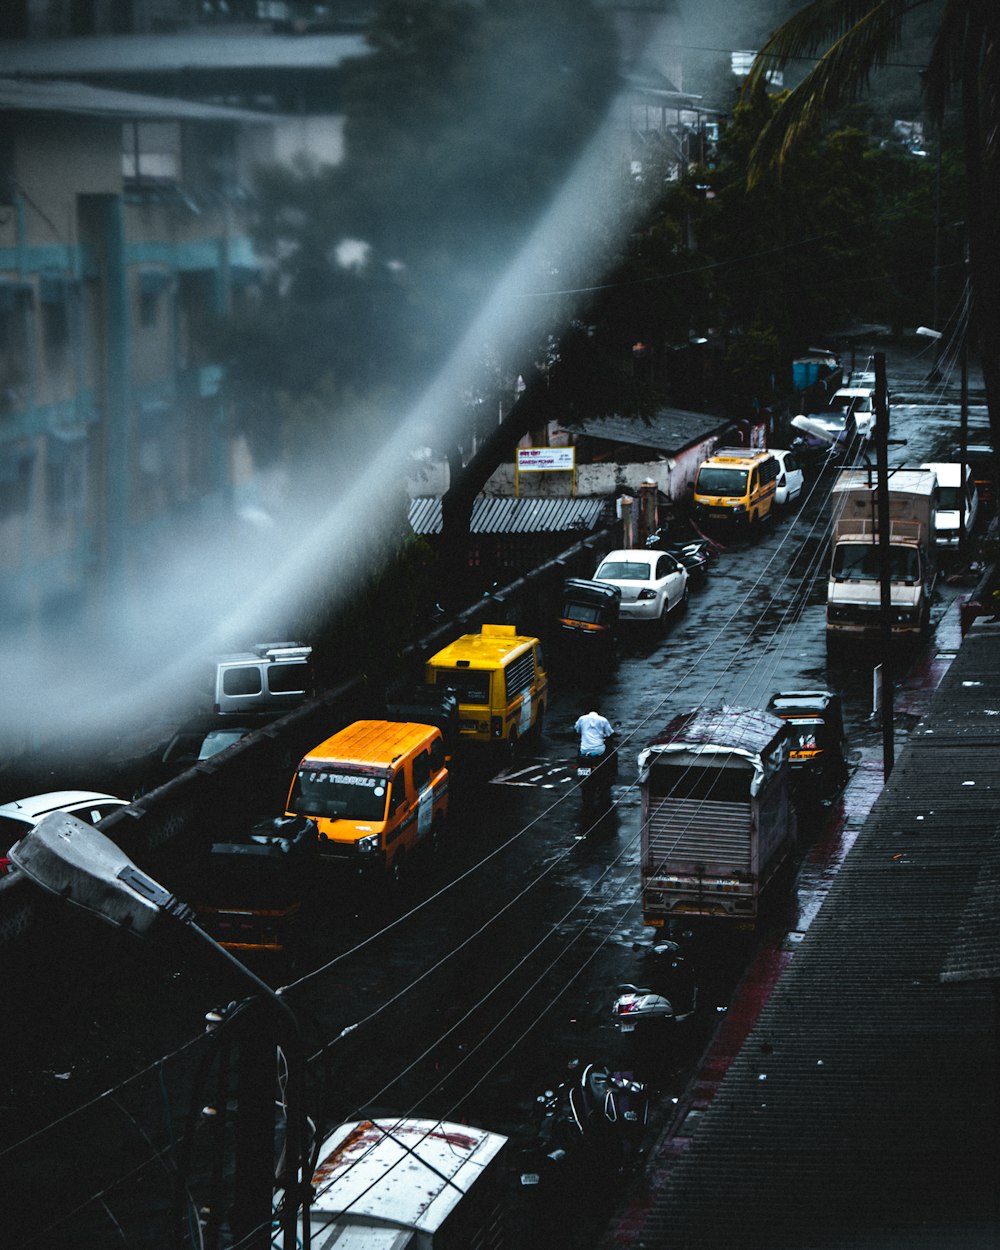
[{"x": 885, "y": 583}]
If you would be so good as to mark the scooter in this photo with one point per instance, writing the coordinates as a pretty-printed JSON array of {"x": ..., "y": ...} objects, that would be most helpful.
[
  {"x": 670, "y": 995},
  {"x": 611, "y": 1111},
  {"x": 595, "y": 775},
  {"x": 595, "y": 1120}
]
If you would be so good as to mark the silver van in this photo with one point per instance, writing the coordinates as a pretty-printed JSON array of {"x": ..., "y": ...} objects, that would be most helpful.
[{"x": 271, "y": 677}]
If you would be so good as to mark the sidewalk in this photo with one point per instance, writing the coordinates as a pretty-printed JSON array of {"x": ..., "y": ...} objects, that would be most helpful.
[{"x": 647, "y": 1219}]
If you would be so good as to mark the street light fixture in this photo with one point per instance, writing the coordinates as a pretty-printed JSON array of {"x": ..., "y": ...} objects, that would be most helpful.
[{"x": 76, "y": 862}]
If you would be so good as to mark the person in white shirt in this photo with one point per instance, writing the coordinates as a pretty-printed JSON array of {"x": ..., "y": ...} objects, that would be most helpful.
[{"x": 594, "y": 730}]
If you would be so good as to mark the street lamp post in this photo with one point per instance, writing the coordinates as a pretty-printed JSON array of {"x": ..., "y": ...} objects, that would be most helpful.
[{"x": 80, "y": 865}]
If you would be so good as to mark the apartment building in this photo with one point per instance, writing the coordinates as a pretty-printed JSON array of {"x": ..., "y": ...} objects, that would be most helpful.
[{"x": 122, "y": 236}]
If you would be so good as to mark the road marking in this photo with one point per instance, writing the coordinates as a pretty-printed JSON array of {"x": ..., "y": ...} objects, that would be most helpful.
[{"x": 537, "y": 773}]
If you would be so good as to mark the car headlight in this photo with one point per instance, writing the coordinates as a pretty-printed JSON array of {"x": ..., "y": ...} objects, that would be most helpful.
[
  {"x": 646, "y": 593},
  {"x": 739, "y": 507},
  {"x": 368, "y": 844}
]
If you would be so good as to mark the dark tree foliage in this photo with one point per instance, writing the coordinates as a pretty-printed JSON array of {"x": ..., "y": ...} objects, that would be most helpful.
[{"x": 460, "y": 127}]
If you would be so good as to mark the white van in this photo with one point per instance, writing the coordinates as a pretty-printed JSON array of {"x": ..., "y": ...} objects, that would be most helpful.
[{"x": 953, "y": 499}]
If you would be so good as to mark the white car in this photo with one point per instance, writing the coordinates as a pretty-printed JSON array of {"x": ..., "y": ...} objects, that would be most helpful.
[
  {"x": 653, "y": 583},
  {"x": 951, "y": 498},
  {"x": 790, "y": 480},
  {"x": 20, "y": 816},
  {"x": 858, "y": 400}
]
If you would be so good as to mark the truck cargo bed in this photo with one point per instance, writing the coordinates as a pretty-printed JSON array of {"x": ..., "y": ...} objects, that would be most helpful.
[{"x": 683, "y": 833}]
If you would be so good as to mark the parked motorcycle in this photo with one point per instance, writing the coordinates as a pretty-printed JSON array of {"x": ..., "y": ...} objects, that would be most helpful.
[
  {"x": 596, "y": 1119},
  {"x": 696, "y": 554},
  {"x": 668, "y": 994},
  {"x": 611, "y": 1111}
]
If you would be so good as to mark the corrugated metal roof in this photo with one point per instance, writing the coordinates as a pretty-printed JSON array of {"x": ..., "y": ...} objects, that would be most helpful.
[
  {"x": 668, "y": 430},
  {"x": 30, "y": 96},
  {"x": 861, "y": 1111},
  {"x": 201, "y": 50},
  {"x": 515, "y": 516}
]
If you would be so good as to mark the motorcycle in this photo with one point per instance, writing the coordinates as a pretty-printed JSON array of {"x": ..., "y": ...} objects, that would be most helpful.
[
  {"x": 596, "y": 1120},
  {"x": 670, "y": 995},
  {"x": 595, "y": 775},
  {"x": 696, "y": 554},
  {"x": 611, "y": 1111}
]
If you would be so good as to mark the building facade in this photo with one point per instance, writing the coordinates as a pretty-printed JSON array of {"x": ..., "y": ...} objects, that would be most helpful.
[{"x": 121, "y": 238}]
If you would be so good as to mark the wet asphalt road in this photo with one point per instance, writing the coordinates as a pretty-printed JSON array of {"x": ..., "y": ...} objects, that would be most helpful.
[{"x": 497, "y": 967}]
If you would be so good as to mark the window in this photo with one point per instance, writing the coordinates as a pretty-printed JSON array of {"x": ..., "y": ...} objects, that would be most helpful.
[
  {"x": 472, "y": 686},
  {"x": 712, "y": 481},
  {"x": 241, "y": 681},
  {"x": 15, "y": 480},
  {"x": 623, "y": 571},
  {"x": 66, "y": 463},
  {"x": 153, "y": 283},
  {"x": 397, "y": 796},
  {"x": 288, "y": 678},
  {"x": 14, "y": 304},
  {"x": 151, "y": 153},
  {"x": 340, "y": 794},
  {"x": 519, "y": 674},
  {"x": 421, "y": 770}
]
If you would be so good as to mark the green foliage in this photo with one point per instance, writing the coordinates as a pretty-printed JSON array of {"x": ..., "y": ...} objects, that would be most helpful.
[
  {"x": 756, "y": 362},
  {"x": 796, "y": 255}
]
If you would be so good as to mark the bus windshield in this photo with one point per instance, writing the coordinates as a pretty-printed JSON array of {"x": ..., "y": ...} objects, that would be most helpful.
[
  {"x": 721, "y": 481},
  {"x": 338, "y": 794}
]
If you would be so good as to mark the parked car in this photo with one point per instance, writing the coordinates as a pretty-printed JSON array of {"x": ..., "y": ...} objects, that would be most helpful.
[
  {"x": 653, "y": 583},
  {"x": 197, "y": 740},
  {"x": 790, "y": 479},
  {"x": 953, "y": 500},
  {"x": 859, "y": 400},
  {"x": 20, "y": 816}
]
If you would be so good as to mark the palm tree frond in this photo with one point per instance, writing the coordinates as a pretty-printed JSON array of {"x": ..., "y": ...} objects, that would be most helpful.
[{"x": 840, "y": 77}]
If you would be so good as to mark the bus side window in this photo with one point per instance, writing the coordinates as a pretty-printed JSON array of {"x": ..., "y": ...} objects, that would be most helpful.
[
  {"x": 398, "y": 791},
  {"x": 437, "y": 755},
  {"x": 421, "y": 770}
]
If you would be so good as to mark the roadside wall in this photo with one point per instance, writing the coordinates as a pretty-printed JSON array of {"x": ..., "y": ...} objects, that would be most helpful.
[{"x": 164, "y": 830}]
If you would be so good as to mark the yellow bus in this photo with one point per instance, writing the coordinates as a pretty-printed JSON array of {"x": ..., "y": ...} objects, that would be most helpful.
[{"x": 500, "y": 679}]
